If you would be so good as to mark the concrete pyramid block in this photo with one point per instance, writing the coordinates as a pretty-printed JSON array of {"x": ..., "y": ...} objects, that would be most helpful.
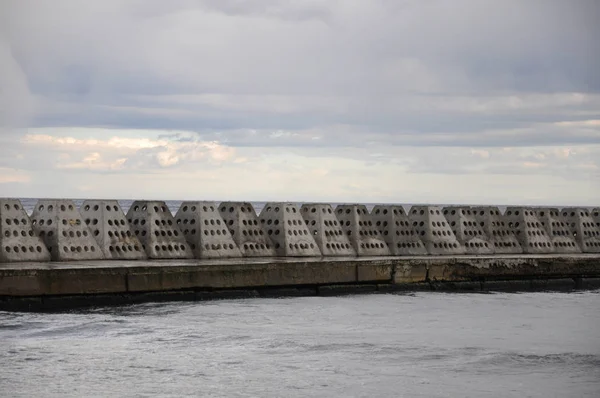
[
  {"x": 153, "y": 224},
  {"x": 18, "y": 241},
  {"x": 596, "y": 217},
  {"x": 583, "y": 227},
  {"x": 361, "y": 231},
  {"x": 110, "y": 228},
  {"x": 206, "y": 231},
  {"x": 397, "y": 231},
  {"x": 468, "y": 231},
  {"x": 288, "y": 231},
  {"x": 529, "y": 230},
  {"x": 245, "y": 229},
  {"x": 434, "y": 230},
  {"x": 326, "y": 230},
  {"x": 60, "y": 226},
  {"x": 558, "y": 230},
  {"x": 496, "y": 229}
]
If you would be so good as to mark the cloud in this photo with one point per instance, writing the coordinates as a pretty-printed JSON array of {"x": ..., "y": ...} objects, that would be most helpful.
[
  {"x": 118, "y": 154},
  {"x": 290, "y": 65},
  {"x": 274, "y": 98},
  {"x": 8, "y": 175},
  {"x": 16, "y": 102},
  {"x": 173, "y": 164}
]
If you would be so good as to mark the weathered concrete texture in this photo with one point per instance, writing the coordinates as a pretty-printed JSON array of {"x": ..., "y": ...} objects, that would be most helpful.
[
  {"x": 245, "y": 229},
  {"x": 468, "y": 231},
  {"x": 206, "y": 231},
  {"x": 557, "y": 229},
  {"x": 110, "y": 228},
  {"x": 288, "y": 230},
  {"x": 205, "y": 277},
  {"x": 518, "y": 268},
  {"x": 86, "y": 279},
  {"x": 529, "y": 230},
  {"x": 18, "y": 241},
  {"x": 496, "y": 229},
  {"x": 397, "y": 231},
  {"x": 376, "y": 269},
  {"x": 240, "y": 275},
  {"x": 584, "y": 228},
  {"x": 410, "y": 272},
  {"x": 153, "y": 223},
  {"x": 360, "y": 229},
  {"x": 596, "y": 216},
  {"x": 326, "y": 230},
  {"x": 66, "y": 236},
  {"x": 65, "y": 302},
  {"x": 434, "y": 230}
]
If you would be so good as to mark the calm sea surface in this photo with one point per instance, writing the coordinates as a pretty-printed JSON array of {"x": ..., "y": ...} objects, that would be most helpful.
[{"x": 414, "y": 345}]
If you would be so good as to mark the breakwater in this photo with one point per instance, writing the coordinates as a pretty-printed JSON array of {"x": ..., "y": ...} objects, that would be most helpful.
[{"x": 63, "y": 251}]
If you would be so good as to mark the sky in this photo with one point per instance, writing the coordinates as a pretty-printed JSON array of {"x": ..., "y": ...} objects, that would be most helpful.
[{"x": 366, "y": 101}]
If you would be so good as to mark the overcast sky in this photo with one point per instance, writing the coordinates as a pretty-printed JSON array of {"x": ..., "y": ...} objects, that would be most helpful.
[{"x": 424, "y": 101}]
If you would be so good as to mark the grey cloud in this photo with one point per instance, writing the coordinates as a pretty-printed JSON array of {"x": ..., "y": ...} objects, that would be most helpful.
[
  {"x": 418, "y": 120},
  {"x": 351, "y": 136},
  {"x": 388, "y": 72},
  {"x": 297, "y": 10}
]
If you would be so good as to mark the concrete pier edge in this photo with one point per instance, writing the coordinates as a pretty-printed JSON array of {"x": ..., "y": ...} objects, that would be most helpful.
[{"x": 61, "y": 286}]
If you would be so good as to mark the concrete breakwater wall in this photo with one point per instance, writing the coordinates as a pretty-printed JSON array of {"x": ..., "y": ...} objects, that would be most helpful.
[
  {"x": 99, "y": 230},
  {"x": 62, "y": 254}
]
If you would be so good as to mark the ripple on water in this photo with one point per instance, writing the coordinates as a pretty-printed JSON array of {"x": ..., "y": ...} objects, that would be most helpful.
[{"x": 424, "y": 344}]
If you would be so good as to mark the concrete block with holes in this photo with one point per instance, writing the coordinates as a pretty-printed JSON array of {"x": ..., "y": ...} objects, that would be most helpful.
[
  {"x": 325, "y": 228},
  {"x": 584, "y": 228},
  {"x": 397, "y": 231},
  {"x": 596, "y": 216},
  {"x": 558, "y": 230},
  {"x": 153, "y": 224},
  {"x": 245, "y": 229},
  {"x": 529, "y": 230},
  {"x": 66, "y": 236},
  {"x": 288, "y": 231},
  {"x": 434, "y": 230},
  {"x": 18, "y": 241},
  {"x": 206, "y": 231},
  {"x": 492, "y": 222},
  {"x": 360, "y": 229},
  {"x": 110, "y": 228},
  {"x": 468, "y": 231}
]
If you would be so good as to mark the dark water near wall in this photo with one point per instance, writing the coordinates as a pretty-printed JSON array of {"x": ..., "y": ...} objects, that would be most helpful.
[{"x": 421, "y": 345}]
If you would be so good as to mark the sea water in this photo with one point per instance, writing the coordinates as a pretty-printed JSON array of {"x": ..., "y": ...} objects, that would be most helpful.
[{"x": 386, "y": 345}]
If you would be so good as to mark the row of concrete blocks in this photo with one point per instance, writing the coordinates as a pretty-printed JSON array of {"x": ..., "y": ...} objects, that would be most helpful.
[{"x": 99, "y": 229}]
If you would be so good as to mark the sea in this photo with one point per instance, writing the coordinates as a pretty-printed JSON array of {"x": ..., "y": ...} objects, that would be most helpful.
[{"x": 426, "y": 344}]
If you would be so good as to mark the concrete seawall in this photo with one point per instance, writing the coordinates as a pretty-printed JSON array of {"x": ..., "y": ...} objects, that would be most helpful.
[
  {"x": 35, "y": 286},
  {"x": 63, "y": 257}
]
